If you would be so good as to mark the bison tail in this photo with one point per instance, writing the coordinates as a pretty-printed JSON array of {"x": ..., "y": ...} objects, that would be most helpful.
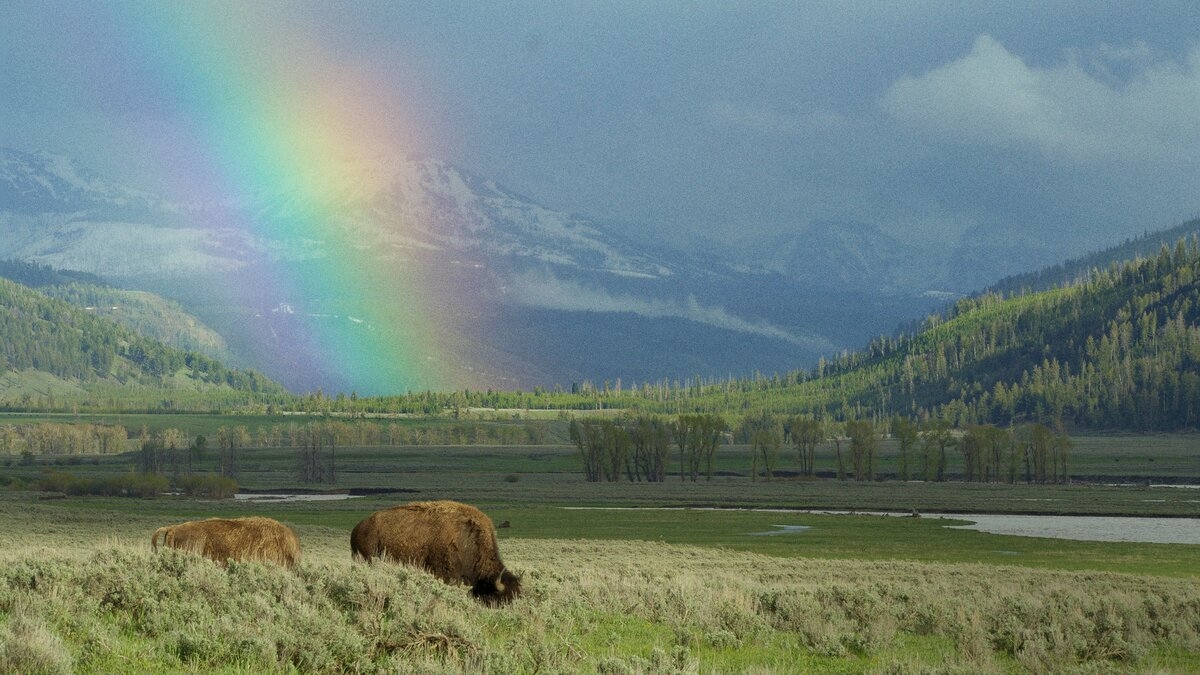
[{"x": 154, "y": 537}]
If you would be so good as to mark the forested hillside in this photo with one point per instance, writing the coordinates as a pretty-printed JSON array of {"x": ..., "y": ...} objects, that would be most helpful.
[
  {"x": 50, "y": 336},
  {"x": 1070, "y": 271},
  {"x": 143, "y": 312},
  {"x": 1120, "y": 349}
]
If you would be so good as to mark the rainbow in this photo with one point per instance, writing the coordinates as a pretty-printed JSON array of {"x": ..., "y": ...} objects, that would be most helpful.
[{"x": 269, "y": 109}]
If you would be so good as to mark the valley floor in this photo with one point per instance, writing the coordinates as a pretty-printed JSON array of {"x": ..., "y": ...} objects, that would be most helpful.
[{"x": 80, "y": 590}]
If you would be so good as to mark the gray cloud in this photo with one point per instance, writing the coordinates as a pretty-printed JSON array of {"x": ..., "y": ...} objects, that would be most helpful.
[
  {"x": 683, "y": 120},
  {"x": 546, "y": 291},
  {"x": 993, "y": 97}
]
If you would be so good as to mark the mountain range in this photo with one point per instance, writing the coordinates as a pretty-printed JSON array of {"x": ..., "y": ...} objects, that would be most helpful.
[{"x": 552, "y": 298}]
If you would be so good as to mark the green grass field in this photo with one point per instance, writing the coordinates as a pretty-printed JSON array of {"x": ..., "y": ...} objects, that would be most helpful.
[
  {"x": 606, "y": 591},
  {"x": 677, "y": 578}
]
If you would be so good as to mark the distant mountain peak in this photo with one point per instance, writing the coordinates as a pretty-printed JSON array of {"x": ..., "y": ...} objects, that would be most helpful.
[
  {"x": 46, "y": 182},
  {"x": 664, "y": 311}
]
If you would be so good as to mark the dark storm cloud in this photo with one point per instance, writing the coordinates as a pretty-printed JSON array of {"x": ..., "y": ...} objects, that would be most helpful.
[{"x": 932, "y": 119}]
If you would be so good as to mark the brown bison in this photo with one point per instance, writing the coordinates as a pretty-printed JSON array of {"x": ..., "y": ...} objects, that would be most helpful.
[
  {"x": 455, "y": 542},
  {"x": 223, "y": 539}
]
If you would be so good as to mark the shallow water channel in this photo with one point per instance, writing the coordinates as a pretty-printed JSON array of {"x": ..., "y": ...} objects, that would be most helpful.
[
  {"x": 249, "y": 497},
  {"x": 1087, "y": 528},
  {"x": 1152, "y": 530},
  {"x": 1149, "y": 530}
]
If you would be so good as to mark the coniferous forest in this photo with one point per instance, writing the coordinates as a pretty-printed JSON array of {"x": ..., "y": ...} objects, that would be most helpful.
[
  {"x": 48, "y": 335},
  {"x": 1117, "y": 348}
]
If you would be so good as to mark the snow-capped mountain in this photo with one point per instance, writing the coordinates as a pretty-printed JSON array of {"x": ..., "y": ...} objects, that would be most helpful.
[
  {"x": 59, "y": 214},
  {"x": 421, "y": 203},
  {"x": 553, "y": 297},
  {"x": 45, "y": 183}
]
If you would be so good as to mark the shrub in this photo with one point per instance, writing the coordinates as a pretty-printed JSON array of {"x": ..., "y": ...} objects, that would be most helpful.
[
  {"x": 614, "y": 607},
  {"x": 210, "y": 485},
  {"x": 27, "y": 646},
  {"x": 58, "y": 481},
  {"x": 123, "y": 485}
]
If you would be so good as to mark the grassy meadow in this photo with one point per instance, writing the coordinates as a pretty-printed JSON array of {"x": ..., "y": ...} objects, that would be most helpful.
[
  {"x": 619, "y": 577},
  {"x": 81, "y": 591}
]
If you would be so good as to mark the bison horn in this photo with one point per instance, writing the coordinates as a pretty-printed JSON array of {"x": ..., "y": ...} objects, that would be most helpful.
[{"x": 499, "y": 583}]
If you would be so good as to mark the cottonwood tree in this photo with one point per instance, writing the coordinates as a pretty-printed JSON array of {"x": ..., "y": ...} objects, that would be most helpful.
[
  {"x": 582, "y": 433},
  {"x": 807, "y": 433},
  {"x": 1060, "y": 449},
  {"x": 151, "y": 455},
  {"x": 8, "y": 439},
  {"x": 983, "y": 448},
  {"x": 603, "y": 446},
  {"x": 681, "y": 431},
  {"x": 697, "y": 437},
  {"x": 906, "y": 433},
  {"x": 996, "y": 442},
  {"x": 763, "y": 435},
  {"x": 712, "y": 428},
  {"x": 196, "y": 451},
  {"x": 1045, "y": 453},
  {"x": 316, "y": 455},
  {"x": 863, "y": 446},
  {"x": 113, "y": 439},
  {"x": 615, "y": 444},
  {"x": 229, "y": 442},
  {"x": 650, "y": 443},
  {"x": 173, "y": 443},
  {"x": 833, "y": 432},
  {"x": 936, "y": 438}
]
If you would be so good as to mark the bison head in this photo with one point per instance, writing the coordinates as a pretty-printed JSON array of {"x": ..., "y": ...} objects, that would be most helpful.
[{"x": 498, "y": 591}]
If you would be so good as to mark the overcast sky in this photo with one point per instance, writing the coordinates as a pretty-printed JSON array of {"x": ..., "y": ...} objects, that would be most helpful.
[{"x": 931, "y": 120}]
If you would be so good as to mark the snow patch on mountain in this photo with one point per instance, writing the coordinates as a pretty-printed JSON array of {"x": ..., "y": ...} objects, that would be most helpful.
[{"x": 41, "y": 181}]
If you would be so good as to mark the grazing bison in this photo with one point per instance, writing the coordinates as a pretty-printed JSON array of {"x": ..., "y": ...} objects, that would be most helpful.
[
  {"x": 455, "y": 542},
  {"x": 223, "y": 539}
]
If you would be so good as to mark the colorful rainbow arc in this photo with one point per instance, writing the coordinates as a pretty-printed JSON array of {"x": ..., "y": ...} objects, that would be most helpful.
[{"x": 266, "y": 123}]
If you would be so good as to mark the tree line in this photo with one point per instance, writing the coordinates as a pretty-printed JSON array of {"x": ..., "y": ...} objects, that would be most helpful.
[
  {"x": 642, "y": 448},
  {"x": 63, "y": 439}
]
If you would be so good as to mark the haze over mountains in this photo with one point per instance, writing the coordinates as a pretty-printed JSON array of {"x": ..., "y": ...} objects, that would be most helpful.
[{"x": 546, "y": 298}]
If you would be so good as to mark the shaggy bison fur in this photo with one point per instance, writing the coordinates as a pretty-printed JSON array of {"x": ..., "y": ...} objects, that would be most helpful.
[
  {"x": 224, "y": 539},
  {"x": 455, "y": 542}
]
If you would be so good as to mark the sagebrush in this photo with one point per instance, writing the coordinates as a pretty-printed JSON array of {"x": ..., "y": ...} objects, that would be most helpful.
[{"x": 588, "y": 606}]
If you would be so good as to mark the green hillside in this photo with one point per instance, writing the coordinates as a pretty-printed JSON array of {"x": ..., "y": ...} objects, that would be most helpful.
[
  {"x": 140, "y": 311},
  {"x": 1067, "y": 272},
  {"x": 50, "y": 348},
  {"x": 1119, "y": 349}
]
